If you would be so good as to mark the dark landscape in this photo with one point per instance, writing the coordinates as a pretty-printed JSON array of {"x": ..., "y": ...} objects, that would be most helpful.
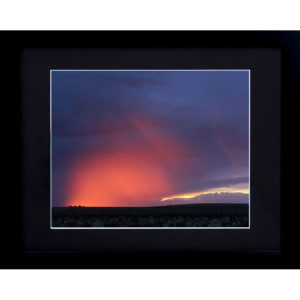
[{"x": 186, "y": 215}]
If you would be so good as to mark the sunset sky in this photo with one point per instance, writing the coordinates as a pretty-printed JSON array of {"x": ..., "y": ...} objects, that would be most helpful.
[{"x": 146, "y": 138}]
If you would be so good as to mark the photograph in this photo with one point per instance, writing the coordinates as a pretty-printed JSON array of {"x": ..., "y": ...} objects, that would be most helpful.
[{"x": 150, "y": 149}]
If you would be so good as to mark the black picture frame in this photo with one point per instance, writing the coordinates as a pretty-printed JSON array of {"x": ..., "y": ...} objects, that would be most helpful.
[{"x": 140, "y": 50}]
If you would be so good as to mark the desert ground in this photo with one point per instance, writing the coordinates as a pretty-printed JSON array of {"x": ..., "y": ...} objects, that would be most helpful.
[{"x": 188, "y": 215}]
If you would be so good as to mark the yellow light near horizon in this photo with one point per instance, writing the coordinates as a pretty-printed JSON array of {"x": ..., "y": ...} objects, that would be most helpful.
[{"x": 216, "y": 190}]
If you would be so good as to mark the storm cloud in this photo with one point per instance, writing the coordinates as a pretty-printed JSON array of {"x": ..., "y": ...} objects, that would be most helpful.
[{"x": 192, "y": 126}]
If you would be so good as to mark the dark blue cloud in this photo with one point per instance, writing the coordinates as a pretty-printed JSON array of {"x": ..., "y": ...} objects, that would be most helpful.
[{"x": 207, "y": 110}]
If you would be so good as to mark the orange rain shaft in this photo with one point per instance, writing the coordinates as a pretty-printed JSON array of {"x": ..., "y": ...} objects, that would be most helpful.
[{"x": 134, "y": 172}]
